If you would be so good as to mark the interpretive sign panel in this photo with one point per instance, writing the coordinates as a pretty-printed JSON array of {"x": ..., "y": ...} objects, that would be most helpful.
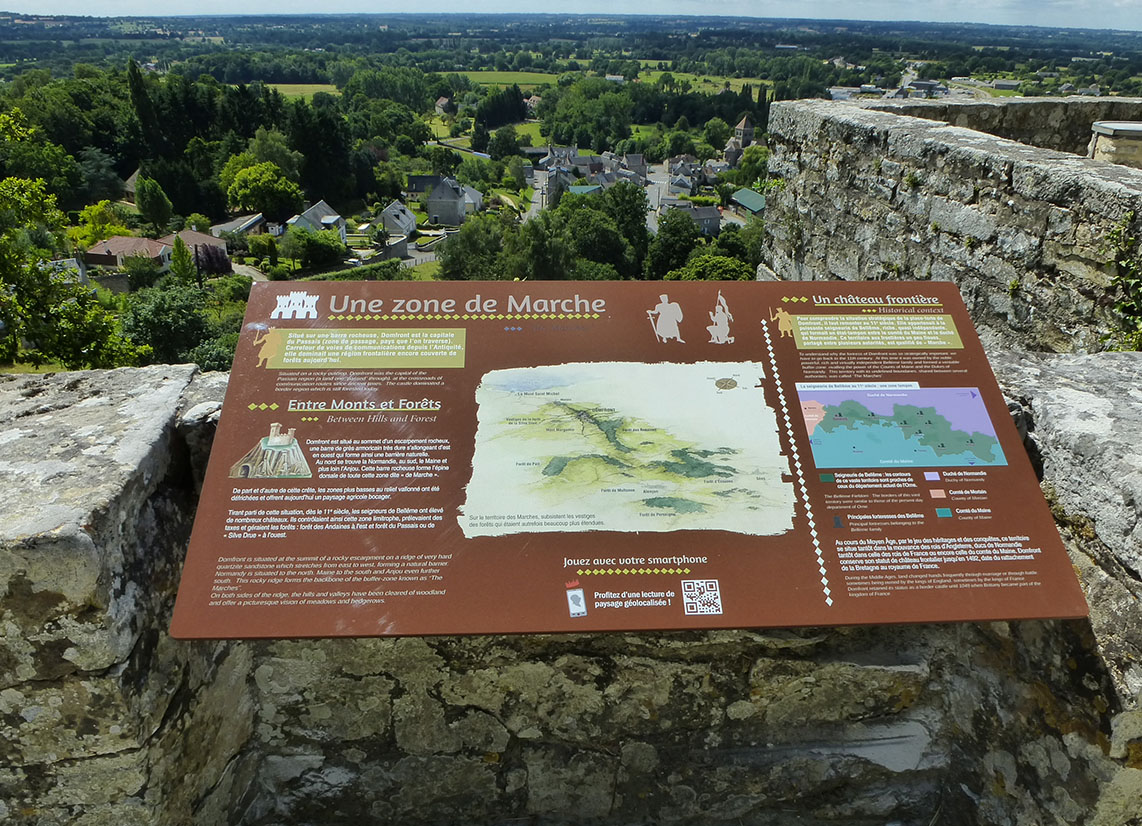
[{"x": 448, "y": 458}]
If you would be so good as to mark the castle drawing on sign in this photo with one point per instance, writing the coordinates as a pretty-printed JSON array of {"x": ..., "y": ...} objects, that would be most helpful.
[
  {"x": 297, "y": 304},
  {"x": 277, "y": 456}
]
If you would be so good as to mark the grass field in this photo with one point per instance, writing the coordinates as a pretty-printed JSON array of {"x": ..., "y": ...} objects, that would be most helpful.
[
  {"x": 304, "y": 90},
  {"x": 439, "y": 128},
  {"x": 428, "y": 271},
  {"x": 703, "y": 83},
  {"x": 526, "y": 80},
  {"x": 531, "y": 128},
  {"x": 22, "y": 367}
]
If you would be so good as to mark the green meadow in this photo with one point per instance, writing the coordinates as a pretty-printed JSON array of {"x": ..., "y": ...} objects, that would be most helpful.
[
  {"x": 304, "y": 90},
  {"x": 525, "y": 80}
]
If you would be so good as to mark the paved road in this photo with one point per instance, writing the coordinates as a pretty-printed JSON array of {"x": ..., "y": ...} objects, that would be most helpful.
[
  {"x": 253, "y": 273},
  {"x": 538, "y": 195},
  {"x": 657, "y": 188}
]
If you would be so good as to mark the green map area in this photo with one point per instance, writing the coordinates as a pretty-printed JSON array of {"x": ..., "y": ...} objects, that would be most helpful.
[
  {"x": 619, "y": 450},
  {"x": 923, "y": 424},
  {"x": 624, "y": 446}
]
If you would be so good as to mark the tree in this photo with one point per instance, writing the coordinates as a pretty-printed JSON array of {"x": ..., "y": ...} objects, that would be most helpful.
[
  {"x": 710, "y": 266},
  {"x": 677, "y": 236},
  {"x": 57, "y": 319},
  {"x": 97, "y": 222},
  {"x": 314, "y": 249},
  {"x": 142, "y": 272},
  {"x": 539, "y": 251},
  {"x": 515, "y": 172},
  {"x": 171, "y": 320},
  {"x": 473, "y": 253},
  {"x": 264, "y": 246},
  {"x": 264, "y": 188},
  {"x": 716, "y": 132},
  {"x": 626, "y": 203},
  {"x": 152, "y": 131},
  {"x": 235, "y": 164},
  {"x": 753, "y": 237},
  {"x": 153, "y": 204},
  {"x": 444, "y": 160},
  {"x": 270, "y": 146},
  {"x": 97, "y": 170},
  {"x": 212, "y": 260},
  {"x": 197, "y": 222},
  {"x": 182, "y": 262},
  {"x": 754, "y": 163},
  {"x": 503, "y": 143},
  {"x": 480, "y": 137},
  {"x": 592, "y": 235}
]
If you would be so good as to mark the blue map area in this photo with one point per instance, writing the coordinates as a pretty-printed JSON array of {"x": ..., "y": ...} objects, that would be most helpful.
[{"x": 942, "y": 427}]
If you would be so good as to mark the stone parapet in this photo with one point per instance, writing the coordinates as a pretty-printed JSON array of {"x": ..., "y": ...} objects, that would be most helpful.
[
  {"x": 1062, "y": 124},
  {"x": 1025, "y": 232},
  {"x": 106, "y": 720}
]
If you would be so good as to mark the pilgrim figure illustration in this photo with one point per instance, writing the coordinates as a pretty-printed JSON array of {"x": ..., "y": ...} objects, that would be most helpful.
[{"x": 664, "y": 319}]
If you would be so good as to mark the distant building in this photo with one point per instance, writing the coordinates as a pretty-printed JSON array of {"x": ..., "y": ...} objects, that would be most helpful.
[
  {"x": 72, "y": 270},
  {"x": 752, "y": 202},
  {"x": 115, "y": 251},
  {"x": 319, "y": 217},
  {"x": 708, "y": 218},
  {"x": 418, "y": 184},
  {"x": 130, "y": 185},
  {"x": 636, "y": 163},
  {"x": 712, "y": 169},
  {"x": 398, "y": 219},
  {"x": 1005, "y": 84},
  {"x": 452, "y": 202},
  {"x": 744, "y": 131},
  {"x": 681, "y": 185},
  {"x": 193, "y": 238},
  {"x": 559, "y": 156},
  {"x": 733, "y": 151},
  {"x": 242, "y": 225},
  {"x": 194, "y": 241}
]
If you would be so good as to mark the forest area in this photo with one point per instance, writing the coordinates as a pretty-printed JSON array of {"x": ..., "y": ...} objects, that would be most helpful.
[{"x": 148, "y": 128}]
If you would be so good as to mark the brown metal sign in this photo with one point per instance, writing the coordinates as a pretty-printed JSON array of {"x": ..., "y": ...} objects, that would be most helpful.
[{"x": 455, "y": 458}]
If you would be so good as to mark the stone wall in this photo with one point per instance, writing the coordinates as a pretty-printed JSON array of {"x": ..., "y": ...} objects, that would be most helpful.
[
  {"x": 1023, "y": 231},
  {"x": 1062, "y": 124},
  {"x": 105, "y": 720}
]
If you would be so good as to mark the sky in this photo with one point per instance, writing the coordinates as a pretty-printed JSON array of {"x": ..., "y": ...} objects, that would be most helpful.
[{"x": 1098, "y": 14}]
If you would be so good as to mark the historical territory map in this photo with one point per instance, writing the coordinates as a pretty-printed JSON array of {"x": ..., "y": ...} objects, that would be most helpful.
[
  {"x": 895, "y": 425},
  {"x": 399, "y": 458},
  {"x": 639, "y": 447}
]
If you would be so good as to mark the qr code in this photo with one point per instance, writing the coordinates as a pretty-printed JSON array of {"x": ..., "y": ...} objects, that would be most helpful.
[{"x": 701, "y": 596}]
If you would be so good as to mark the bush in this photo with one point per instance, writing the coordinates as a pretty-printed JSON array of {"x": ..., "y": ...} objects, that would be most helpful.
[
  {"x": 215, "y": 353},
  {"x": 141, "y": 272},
  {"x": 390, "y": 270},
  {"x": 279, "y": 273}
]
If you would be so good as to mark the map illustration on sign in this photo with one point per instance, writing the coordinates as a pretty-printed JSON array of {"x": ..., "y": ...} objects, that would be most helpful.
[
  {"x": 903, "y": 427},
  {"x": 624, "y": 446}
]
